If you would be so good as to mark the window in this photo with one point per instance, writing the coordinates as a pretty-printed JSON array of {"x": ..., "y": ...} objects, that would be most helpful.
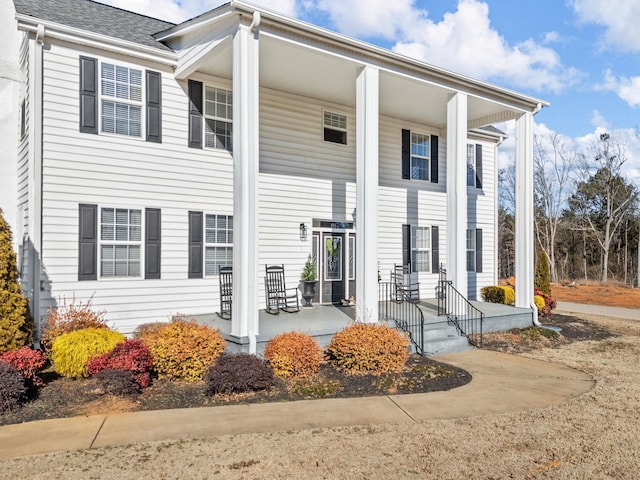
[
  {"x": 120, "y": 242},
  {"x": 471, "y": 250},
  {"x": 121, "y": 91},
  {"x": 420, "y": 156},
  {"x": 474, "y": 165},
  {"x": 420, "y": 249},
  {"x": 335, "y": 128},
  {"x": 218, "y": 116},
  {"x": 218, "y": 243}
]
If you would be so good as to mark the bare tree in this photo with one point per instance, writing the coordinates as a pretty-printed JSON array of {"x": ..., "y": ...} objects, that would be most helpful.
[
  {"x": 604, "y": 198},
  {"x": 553, "y": 164}
]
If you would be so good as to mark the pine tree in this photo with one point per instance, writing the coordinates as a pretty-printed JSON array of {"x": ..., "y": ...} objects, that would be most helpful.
[
  {"x": 16, "y": 324},
  {"x": 542, "y": 280}
]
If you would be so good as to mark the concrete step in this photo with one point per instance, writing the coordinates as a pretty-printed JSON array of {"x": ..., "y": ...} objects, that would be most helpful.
[{"x": 441, "y": 345}]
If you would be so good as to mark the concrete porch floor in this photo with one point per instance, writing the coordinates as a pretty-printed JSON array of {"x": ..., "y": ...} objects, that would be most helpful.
[{"x": 323, "y": 321}]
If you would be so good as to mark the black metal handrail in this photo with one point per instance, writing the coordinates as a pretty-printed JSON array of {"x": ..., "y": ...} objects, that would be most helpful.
[
  {"x": 460, "y": 312},
  {"x": 406, "y": 314}
]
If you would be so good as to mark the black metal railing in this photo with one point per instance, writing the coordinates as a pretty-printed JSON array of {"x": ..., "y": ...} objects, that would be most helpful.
[
  {"x": 406, "y": 314},
  {"x": 460, "y": 312}
]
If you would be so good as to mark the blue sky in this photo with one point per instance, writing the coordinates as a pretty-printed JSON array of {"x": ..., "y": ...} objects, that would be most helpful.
[{"x": 583, "y": 56}]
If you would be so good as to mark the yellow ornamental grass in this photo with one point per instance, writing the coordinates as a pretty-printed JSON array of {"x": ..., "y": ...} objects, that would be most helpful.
[
  {"x": 294, "y": 354},
  {"x": 183, "y": 350},
  {"x": 71, "y": 351},
  {"x": 368, "y": 349}
]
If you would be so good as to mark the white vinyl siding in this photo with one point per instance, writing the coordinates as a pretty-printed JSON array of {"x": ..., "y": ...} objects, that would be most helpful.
[
  {"x": 120, "y": 242},
  {"x": 121, "y": 100},
  {"x": 218, "y": 243},
  {"x": 420, "y": 249},
  {"x": 218, "y": 118}
]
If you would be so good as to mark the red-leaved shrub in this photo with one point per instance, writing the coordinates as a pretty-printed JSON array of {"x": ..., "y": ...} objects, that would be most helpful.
[
  {"x": 131, "y": 355},
  {"x": 549, "y": 302},
  {"x": 26, "y": 361}
]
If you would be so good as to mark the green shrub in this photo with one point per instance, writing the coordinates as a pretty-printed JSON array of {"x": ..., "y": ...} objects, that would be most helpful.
[
  {"x": 365, "y": 348},
  {"x": 238, "y": 373},
  {"x": 542, "y": 279},
  {"x": 182, "y": 349},
  {"x": 13, "y": 389},
  {"x": 294, "y": 354},
  {"x": 16, "y": 323},
  {"x": 69, "y": 318},
  {"x": 72, "y": 351},
  {"x": 504, "y": 294}
]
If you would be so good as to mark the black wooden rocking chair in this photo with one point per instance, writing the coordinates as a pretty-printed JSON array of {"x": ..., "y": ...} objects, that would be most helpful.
[
  {"x": 277, "y": 295},
  {"x": 226, "y": 290},
  {"x": 406, "y": 286}
]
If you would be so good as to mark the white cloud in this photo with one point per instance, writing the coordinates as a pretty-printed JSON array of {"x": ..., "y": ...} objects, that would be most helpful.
[
  {"x": 598, "y": 120},
  {"x": 180, "y": 10},
  {"x": 627, "y": 88},
  {"x": 620, "y": 19},
  {"x": 465, "y": 41}
]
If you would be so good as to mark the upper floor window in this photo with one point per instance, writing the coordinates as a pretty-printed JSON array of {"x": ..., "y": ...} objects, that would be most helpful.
[
  {"x": 420, "y": 156},
  {"x": 335, "y": 127},
  {"x": 121, "y": 100},
  {"x": 474, "y": 165},
  {"x": 218, "y": 115}
]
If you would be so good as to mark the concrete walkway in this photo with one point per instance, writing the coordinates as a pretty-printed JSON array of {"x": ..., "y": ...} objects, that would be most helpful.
[
  {"x": 501, "y": 383},
  {"x": 603, "y": 310}
]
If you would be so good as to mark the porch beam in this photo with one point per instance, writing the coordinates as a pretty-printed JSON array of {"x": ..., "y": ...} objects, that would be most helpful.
[
  {"x": 244, "y": 317},
  {"x": 367, "y": 121},
  {"x": 457, "y": 191},
  {"x": 524, "y": 211}
]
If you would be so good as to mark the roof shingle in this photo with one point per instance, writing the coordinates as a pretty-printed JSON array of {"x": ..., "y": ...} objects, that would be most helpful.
[{"x": 98, "y": 18}]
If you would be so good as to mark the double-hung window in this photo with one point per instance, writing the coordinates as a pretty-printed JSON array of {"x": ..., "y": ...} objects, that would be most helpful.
[
  {"x": 474, "y": 250},
  {"x": 218, "y": 116},
  {"x": 120, "y": 242},
  {"x": 420, "y": 249},
  {"x": 420, "y": 156},
  {"x": 474, "y": 165},
  {"x": 218, "y": 243},
  {"x": 335, "y": 127},
  {"x": 121, "y": 100}
]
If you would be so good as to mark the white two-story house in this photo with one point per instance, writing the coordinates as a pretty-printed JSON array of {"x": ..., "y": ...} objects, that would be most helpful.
[{"x": 152, "y": 154}]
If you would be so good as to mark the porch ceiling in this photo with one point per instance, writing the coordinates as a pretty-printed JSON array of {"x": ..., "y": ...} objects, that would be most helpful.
[{"x": 289, "y": 66}]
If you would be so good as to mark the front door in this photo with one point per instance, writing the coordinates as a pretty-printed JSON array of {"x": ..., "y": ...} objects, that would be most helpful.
[{"x": 332, "y": 267}]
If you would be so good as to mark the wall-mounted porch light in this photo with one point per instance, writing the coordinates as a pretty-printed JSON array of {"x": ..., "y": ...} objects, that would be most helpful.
[{"x": 303, "y": 232}]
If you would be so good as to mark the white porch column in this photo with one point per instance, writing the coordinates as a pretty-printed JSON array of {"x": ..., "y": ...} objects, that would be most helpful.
[
  {"x": 524, "y": 211},
  {"x": 367, "y": 121},
  {"x": 457, "y": 192},
  {"x": 244, "y": 318}
]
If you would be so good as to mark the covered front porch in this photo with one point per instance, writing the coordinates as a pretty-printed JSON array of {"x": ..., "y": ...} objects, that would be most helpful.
[{"x": 323, "y": 321}]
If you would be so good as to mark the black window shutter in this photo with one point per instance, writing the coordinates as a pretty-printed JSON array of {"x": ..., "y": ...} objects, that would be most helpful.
[
  {"x": 152, "y": 236},
  {"x": 195, "y": 244},
  {"x": 479, "y": 250},
  {"x": 195, "y": 114},
  {"x": 435, "y": 250},
  {"x": 88, "y": 95},
  {"x": 406, "y": 245},
  {"x": 434, "y": 159},
  {"x": 406, "y": 154},
  {"x": 154, "y": 106},
  {"x": 88, "y": 242},
  {"x": 478, "y": 166}
]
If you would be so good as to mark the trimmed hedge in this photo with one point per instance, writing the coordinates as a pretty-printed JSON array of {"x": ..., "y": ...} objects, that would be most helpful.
[
  {"x": 238, "y": 373},
  {"x": 366, "y": 348},
  {"x": 131, "y": 355},
  {"x": 504, "y": 294},
  {"x": 72, "y": 351},
  {"x": 294, "y": 354}
]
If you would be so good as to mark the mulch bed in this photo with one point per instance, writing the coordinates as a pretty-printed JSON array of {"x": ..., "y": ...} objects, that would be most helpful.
[{"x": 63, "y": 397}]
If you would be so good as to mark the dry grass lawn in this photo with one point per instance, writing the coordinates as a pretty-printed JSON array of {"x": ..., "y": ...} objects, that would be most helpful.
[
  {"x": 594, "y": 436},
  {"x": 612, "y": 295}
]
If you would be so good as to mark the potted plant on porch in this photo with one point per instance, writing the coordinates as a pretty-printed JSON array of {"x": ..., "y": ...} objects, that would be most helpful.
[{"x": 308, "y": 281}]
